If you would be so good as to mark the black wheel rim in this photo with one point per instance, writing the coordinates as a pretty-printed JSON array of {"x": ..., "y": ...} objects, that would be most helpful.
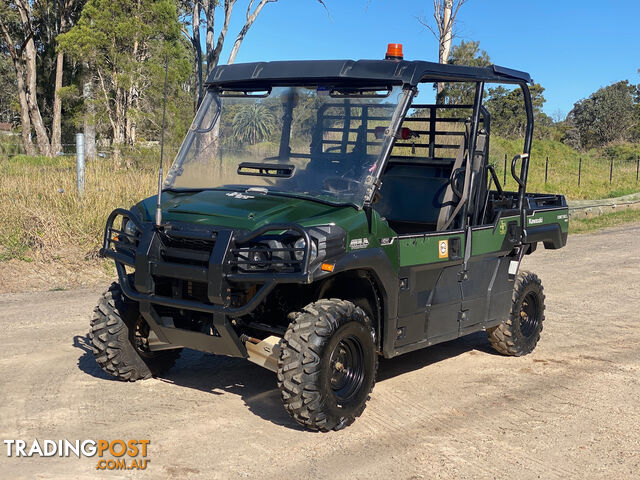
[
  {"x": 529, "y": 314},
  {"x": 347, "y": 369}
]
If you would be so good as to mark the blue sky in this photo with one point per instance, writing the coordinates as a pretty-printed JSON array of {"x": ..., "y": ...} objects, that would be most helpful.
[{"x": 571, "y": 47}]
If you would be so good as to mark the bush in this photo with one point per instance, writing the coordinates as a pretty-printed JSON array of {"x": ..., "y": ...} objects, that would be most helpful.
[{"x": 624, "y": 152}]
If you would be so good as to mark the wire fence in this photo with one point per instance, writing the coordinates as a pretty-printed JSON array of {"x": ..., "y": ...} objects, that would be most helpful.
[
  {"x": 615, "y": 169},
  {"x": 143, "y": 150},
  {"x": 602, "y": 169}
]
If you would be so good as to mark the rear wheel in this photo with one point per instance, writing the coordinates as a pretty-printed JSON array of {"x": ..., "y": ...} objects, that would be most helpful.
[
  {"x": 327, "y": 364},
  {"x": 519, "y": 334},
  {"x": 119, "y": 337}
]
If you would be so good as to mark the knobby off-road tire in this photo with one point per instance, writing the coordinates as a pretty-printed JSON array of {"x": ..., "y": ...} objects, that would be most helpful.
[
  {"x": 327, "y": 364},
  {"x": 519, "y": 334},
  {"x": 118, "y": 334}
]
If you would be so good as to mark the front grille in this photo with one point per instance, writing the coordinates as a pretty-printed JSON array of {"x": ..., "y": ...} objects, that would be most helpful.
[
  {"x": 188, "y": 243},
  {"x": 187, "y": 250}
]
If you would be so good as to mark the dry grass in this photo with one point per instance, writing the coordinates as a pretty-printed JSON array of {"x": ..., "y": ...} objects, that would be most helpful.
[{"x": 43, "y": 217}]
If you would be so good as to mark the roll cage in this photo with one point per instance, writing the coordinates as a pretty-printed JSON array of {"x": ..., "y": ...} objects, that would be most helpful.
[{"x": 409, "y": 74}]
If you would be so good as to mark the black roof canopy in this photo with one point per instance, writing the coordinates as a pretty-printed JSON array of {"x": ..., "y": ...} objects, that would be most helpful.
[{"x": 373, "y": 72}]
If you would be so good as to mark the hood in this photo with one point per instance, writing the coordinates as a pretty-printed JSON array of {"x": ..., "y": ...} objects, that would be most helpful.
[{"x": 236, "y": 210}]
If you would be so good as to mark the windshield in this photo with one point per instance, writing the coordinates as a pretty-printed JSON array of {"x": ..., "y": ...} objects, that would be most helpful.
[{"x": 319, "y": 142}]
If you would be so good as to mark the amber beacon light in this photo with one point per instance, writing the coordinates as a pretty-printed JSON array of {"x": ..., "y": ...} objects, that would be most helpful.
[{"x": 394, "y": 52}]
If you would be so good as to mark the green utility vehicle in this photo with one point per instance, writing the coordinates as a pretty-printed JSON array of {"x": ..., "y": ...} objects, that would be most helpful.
[{"x": 319, "y": 215}]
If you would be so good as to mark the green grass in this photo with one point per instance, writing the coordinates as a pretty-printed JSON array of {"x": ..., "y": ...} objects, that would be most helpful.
[
  {"x": 584, "y": 225},
  {"x": 563, "y": 170}
]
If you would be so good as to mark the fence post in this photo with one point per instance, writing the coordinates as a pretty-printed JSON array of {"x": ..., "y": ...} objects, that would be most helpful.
[
  {"x": 637, "y": 167},
  {"x": 546, "y": 170},
  {"x": 611, "y": 171},
  {"x": 504, "y": 174},
  {"x": 80, "y": 163},
  {"x": 579, "y": 170}
]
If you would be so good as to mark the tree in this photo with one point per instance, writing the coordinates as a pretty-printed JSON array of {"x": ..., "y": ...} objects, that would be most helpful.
[
  {"x": 125, "y": 44},
  {"x": 8, "y": 93},
  {"x": 28, "y": 33},
  {"x": 607, "y": 116},
  {"x": 466, "y": 53},
  {"x": 196, "y": 12},
  {"x": 445, "y": 13},
  {"x": 636, "y": 100},
  {"x": 17, "y": 30},
  {"x": 66, "y": 12},
  {"x": 253, "y": 123},
  {"x": 507, "y": 109}
]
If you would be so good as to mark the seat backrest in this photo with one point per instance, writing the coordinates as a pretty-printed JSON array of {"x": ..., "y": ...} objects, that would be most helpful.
[
  {"x": 413, "y": 194},
  {"x": 449, "y": 201}
]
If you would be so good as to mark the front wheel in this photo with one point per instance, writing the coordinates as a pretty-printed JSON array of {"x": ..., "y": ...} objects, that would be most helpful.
[
  {"x": 119, "y": 339},
  {"x": 327, "y": 364},
  {"x": 519, "y": 333}
]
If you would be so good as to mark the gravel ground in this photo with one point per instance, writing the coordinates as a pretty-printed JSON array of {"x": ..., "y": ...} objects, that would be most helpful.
[{"x": 457, "y": 410}]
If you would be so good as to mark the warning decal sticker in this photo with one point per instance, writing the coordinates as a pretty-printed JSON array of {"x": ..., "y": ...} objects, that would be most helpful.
[{"x": 443, "y": 249}]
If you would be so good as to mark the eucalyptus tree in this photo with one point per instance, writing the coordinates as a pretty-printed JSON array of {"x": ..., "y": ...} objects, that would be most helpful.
[{"x": 202, "y": 15}]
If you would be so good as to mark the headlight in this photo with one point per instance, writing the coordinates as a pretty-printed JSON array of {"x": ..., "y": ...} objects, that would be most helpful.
[
  {"x": 300, "y": 244},
  {"x": 130, "y": 229},
  {"x": 257, "y": 257},
  {"x": 260, "y": 256}
]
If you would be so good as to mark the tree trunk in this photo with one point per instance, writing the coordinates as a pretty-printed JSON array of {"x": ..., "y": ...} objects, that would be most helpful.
[
  {"x": 197, "y": 48},
  {"x": 89, "y": 116},
  {"x": 118, "y": 137},
  {"x": 107, "y": 103},
  {"x": 129, "y": 116},
  {"x": 56, "y": 127},
  {"x": 250, "y": 18},
  {"x": 29, "y": 148},
  {"x": 42, "y": 137},
  {"x": 446, "y": 36},
  {"x": 30, "y": 53},
  {"x": 210, "y": 13},
  {"x": 22, "y": 93},
  {"x": 448, "y": 32},
  {"x": 56, "y": 130}
]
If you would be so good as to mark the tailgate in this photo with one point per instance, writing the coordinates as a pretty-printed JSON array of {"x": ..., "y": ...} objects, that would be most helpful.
[{"x": 547, "y": 220}]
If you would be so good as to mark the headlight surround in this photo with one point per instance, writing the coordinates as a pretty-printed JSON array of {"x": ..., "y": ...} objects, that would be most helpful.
[{"x": 301, "y": 244}]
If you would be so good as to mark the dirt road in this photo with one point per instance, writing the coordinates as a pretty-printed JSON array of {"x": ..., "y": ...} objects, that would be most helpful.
[{"x": 569, "y": 410}]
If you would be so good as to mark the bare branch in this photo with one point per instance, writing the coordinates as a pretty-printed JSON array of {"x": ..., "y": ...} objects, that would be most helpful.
[
  {"x": 321, "y": 2},
  {"x": 251, "y": 18},
  {"x": 228, "y": 8},
  {"x": 425, "y": 24}
]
